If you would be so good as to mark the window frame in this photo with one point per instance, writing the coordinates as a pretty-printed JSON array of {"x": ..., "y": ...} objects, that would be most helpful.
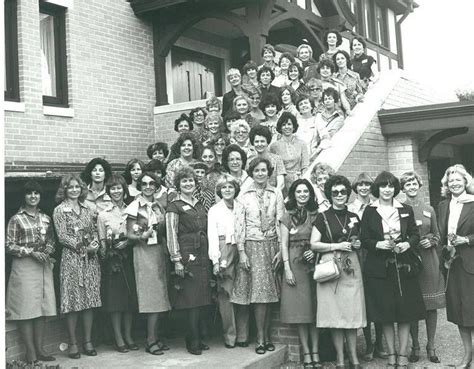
[
  {"x": 12, "y": 81},
  {"x": 60, "y": 56},
  {"x": 382, "y": 33}
]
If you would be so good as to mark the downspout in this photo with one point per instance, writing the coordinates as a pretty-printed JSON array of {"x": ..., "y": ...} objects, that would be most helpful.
[{"x": 398, "y": 31}]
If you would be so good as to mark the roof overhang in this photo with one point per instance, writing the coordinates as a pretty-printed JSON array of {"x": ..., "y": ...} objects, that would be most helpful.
[{"x": 427, "y": 118}]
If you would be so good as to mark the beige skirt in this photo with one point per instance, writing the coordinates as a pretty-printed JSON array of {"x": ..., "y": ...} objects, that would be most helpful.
[{"x": 30, "y": 291}]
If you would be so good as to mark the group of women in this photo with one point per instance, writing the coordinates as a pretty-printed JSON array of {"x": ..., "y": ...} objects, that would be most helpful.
[{"x": 228, "y": 202}]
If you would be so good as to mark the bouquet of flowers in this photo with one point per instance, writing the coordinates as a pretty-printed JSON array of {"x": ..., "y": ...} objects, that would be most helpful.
[
  {"x": 115, "y": 256},
  {"x": 178, "y": 281}
]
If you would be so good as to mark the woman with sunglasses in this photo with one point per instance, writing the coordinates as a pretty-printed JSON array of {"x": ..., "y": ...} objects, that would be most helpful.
[{"x": 336, "y": 235}]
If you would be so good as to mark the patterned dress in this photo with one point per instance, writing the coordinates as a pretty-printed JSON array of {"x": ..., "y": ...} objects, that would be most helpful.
[
  {"x": 80, "y": 271},
  {"x": 30, "y": 291},
  {"x": 430, "y": 278},
  {"x": 172, "y": 169}
]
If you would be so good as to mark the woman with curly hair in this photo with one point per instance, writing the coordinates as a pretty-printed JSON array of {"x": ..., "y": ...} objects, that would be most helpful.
[
  {"x": 213, "y": 168},
  {"x": 431, "y": 280},
  {"x": 249, "y": 78},
  {"x": 319, "y": 176},
  {"x": 332, "y": 40},
  {"x": 456, "y": 226},
  {"x": 354, "y": 89},
  {"x": 295, "y": 75},
  {"x": 186, "y": 230},
  {"x": 214, "y": 126},
  {"x": 133, "y": 170},
  {"x": 270, "y": 106},
  {"x": 336, "y": 235},
  {"x": 234, "y": 161},
  {"x": 327, "y": 68},
  {"x": 362, "y": 63},
  {"x": 219, "y": 143},
  {"x": 146, "y": 230},
  {"x": 255, "y": 115},
  {"x": 187, "y": 151},
  {"x": 158, "y": 151},
  {"x": 286, "y": 59},
  {"x": 30, "y": 290},
  {"x": 287, "y": 100},
  {"x": 298, "y": 299},
  {"x": 96, "y": 172},
  {"x": 80, "y": 269},
  {"x": 183, "y": 124},
  {"x": 119, "y": 295}
]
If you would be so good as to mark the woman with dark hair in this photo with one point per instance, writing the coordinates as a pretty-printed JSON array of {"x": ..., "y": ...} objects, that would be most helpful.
[
  {"x": 234, "y": 161},
  {"x": 229, "y": 121},
  {"x": 183, "y": 124},
  {"x": 119, "y": 295},
  {"x": 281, "y": 78},
  {"x": 222, "y": 250},
  {"x": 270, "y": 106},
  {"x": 197, "y": 117},
  {"x": 186, "y": 230},
  {"x": 80, "y": 270},
  {"x": 30, "y": 291},
  {"x": 163, "y": 195},
  {"x": 146, "y": 229},
  {"x": 188, "y": 152},
  {"x": 265, "y": 77},
  {"x": 393, "y": 295},
  {"x": 287, "y": 100},
  {"x": 268, "y": 56},
  {"x": 336, "y": 235},
  {"x": 203, "y": 193},
  {"x": 290, "y": 149},
  {"x": 361, "y": 187},
  {"x": 133, "y": 170},
  {"x": 218, "y": 144},
  {"x": 332, "y": 39},
  {"x": 298, "y": 298},
  {"x": 96, "y": 172},
  {"x": 329, "y": 120},
  {"x": 235, "y": 80},
  {"x": 257, "y": 238},
  {"x": 260, "y": 138},
  {"x": 326, "y": 68},
  {"x": 213, "y": 170},
  {"x": 158, "y": 151},
  {"x": 295, "y": 75},
  {"x": 431, "y": 280},
  {"x": 362, "y": 63},
  {"x": 249, "y": 71},
  {"x": 354, "y": 90},
  {"x": 456, "y": 226}
]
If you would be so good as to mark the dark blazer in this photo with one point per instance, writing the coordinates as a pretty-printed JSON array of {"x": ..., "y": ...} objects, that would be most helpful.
[
  {"x": 465, "y": 228},
  {"x": 227, "y": 101},
  {"x": 270, "y": 90},
  {"x": 372, "y": 232}
]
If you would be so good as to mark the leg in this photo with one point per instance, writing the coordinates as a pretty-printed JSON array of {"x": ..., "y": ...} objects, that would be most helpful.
[
  {"x": 87, "y": 322},
  {"x": 351, "y": 339},
  {"x": 127, "y": 328},
  {"x": 338, "y": 340},
  {"x": 226, "y": 310},
  {"x": 242, "y": 324},
  {"x": 415, "y": 344},
  {"x": 314, "y": 335},
  {"x": 303, "y": 334},
  {"x": 403, "y": 337},
  {"x": 466, "y": 337},
  {"x": 26, "y": 331},
  {"x": 379, "y": 349},
  {"x": 369, "y": 346},
  {"x": 71, "y": 321},
  {"x": 116, "y": 319},
  {"x": 389, "y": 333},
  {"x": 431, "y": 322},
  {"x": 260, "y": 311},
  {"x": 269, "y": 346},
  {"x": 151, "y": 344},
  {"x": 193, "y": 338}
]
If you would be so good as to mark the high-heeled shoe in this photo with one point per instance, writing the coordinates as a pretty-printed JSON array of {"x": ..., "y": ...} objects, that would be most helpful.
[
  {"x": 89, "y": 352},
  {"x": 316, "y": 361},
  {"x": 414, "y": 355},
  {"x": 74, "y": 355},
  {"x": 307, "y": 364},
  {"x": 431, "y": 353}
]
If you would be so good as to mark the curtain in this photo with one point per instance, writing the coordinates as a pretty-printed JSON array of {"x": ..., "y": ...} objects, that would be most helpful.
[{"x": 48, "y": 64}]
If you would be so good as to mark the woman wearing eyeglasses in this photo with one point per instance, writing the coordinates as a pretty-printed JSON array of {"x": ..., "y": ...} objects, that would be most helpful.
[
  {"x": 146, "y": 227},
  {"x": 341, "y": 304}
]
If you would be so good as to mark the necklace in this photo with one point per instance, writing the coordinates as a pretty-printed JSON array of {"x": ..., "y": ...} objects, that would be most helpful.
[{"x": 344, "y": 230}]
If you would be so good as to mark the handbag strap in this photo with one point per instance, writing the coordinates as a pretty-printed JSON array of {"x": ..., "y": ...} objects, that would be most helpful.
[{"x": 328, "y": 230}]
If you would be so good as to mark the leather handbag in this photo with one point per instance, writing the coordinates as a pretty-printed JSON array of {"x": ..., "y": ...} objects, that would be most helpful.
[{"x": 327, "y": 270}]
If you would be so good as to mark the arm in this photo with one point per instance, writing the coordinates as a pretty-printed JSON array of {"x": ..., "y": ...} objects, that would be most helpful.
[
  {"x": 13, "y": 234},
  {"x": 285, "y": 234},
  {"x": 304, "y": 163},
  {"x": 50, "y": 244},
  {"x": 172, "y": 221},
  {"x": 366, "y": 236},
  {"x": 67, "y": 240},
  {"x": 435, "y": 240},
  {"x": 239, "y": 229},
  {"x": 318, "y": 246},
  {"x": 213, "y": 236}
]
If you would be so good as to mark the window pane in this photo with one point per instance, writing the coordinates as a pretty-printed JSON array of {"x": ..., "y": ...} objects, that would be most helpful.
[{"x": 48, "y": 57}]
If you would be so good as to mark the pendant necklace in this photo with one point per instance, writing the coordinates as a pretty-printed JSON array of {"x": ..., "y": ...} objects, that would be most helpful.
[{"x": 344, "y": 231}]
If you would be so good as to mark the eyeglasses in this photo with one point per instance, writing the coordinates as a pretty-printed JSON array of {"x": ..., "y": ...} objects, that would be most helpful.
[
  {"x": 335, "y": 193},
  {"x": 241, "y": 132},
  {"x": 315, "y": 89},
  {"x": 148, "y": 184}
]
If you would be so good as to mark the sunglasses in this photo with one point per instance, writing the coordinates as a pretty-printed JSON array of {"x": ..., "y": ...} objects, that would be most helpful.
[{"x": 335, "y": 193}]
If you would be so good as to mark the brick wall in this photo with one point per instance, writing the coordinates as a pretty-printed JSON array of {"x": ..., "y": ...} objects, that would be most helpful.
[{"x": 111, "y": 87}]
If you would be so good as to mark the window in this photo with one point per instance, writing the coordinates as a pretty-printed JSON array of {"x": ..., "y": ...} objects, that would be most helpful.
[
  {"x": 381, "y": 25},
  {"x": 53, "y": 54},
  {"x": 11, "y": 87}
]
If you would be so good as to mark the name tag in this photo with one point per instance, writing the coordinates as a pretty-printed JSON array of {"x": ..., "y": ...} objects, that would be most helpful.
[
  {"x": 427, "y": 214},
  {"x": 186, "y": 207},
  {"x": 419, "y": 222},
  {"x": 153, "y": 239},
  {"x": 364, "y": 61},
  {"x": 404, "y": 215},
  {"x": 293, "y": 231}
]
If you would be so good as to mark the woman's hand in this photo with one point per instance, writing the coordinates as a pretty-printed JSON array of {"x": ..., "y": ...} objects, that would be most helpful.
[
  {"x": 121, "y": 245},
  {"x": 308, "y": 255},
  {"x": 343, "y": 246},
  {"x": 356, "y": 244},
  {"x": 92, "y": 247},
  {"x": 179, "y": 269},
  {"x": 425, "y": 243},
  {"x": 276, "y": 260},
  {"x": 244, "y": 261},
  {"x": 460, "y": 240},
  {"x": 146, "y": 235},
  {"x": 39, "y": 256},
  {"x": 383, "y": 245},
  {"x": 216, "y": 269},
  {"x": 402, "y": 247},
  {"x": 289, "y": 276}
]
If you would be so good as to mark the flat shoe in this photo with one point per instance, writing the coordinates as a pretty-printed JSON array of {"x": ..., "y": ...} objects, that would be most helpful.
[
  {"x": 132, "y": 346},
  {"x": 242, "y": 344},
  {"x": 89, "y": 352},
  {"x": 122, "y": 349},
  {"x": 229, "y": 346},
  {"x": 414, "y": 355},
  {"x": 153, "y": 349},
  {"x": 260, "y": 349},
  {"x": 163, "y": 346},
  {"x": 45, "y": 357},
  {"x": 269, "y": 346},
  {"x": 203, "y": 346}
]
